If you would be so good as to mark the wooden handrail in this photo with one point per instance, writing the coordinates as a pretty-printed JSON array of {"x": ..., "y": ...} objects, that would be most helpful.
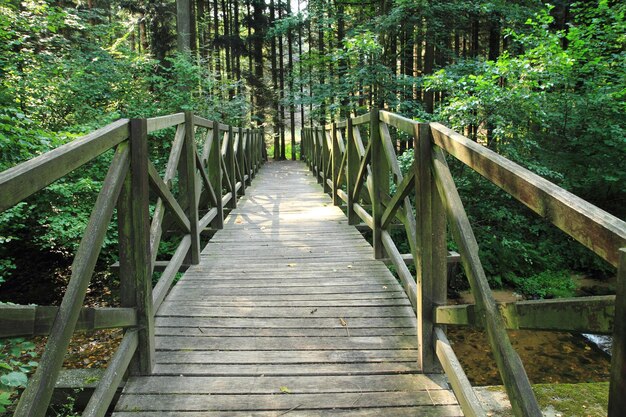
[
  {"x": 127, "y": 185},
  {"x": 365, "y": 172}
]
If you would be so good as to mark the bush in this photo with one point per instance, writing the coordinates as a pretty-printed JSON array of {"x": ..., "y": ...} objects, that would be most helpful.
[{"x": 547, "y": 284}]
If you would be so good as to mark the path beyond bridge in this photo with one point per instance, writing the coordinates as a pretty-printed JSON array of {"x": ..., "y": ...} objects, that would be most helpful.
[{"x": 287, "y": 313}]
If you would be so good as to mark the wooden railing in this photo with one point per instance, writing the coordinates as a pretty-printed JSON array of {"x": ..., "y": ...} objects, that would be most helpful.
[
  {"x": 209, "y": 166},
  {"x": 357, "y": 172}
]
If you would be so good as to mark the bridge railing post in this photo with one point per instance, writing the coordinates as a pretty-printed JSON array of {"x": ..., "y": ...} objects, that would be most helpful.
[
  {"x": 352, "y": 171},
  {"x": 188, "y": 187},
  {"x": 336, "y": 163},
  {"x": 241, "y": 160},
  {"x": 320, "y": 155},
  {"x": 214, "y": 168},
  {"x": 380, "y": 182},
  {"x": 617, "y": 389},
  {"x": 134, "y": 241},
  {"x": 230, "y": 167},
  {"x": 431, "y": 248},
  {"x": 262, "y": 148}
]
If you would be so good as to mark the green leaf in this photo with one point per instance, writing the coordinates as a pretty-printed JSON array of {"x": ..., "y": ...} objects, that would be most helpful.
[{"x": 14, "y": 379}]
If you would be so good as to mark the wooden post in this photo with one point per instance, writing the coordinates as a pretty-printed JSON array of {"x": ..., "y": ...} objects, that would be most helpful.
[
  {"x": 431, "y": 249},
  {"x": 188, "y": 186},
  {"x": 241, "y": 161},
  {"x": 336, "y": 161},
  {"x": 135, "y": 264},
  {"x": 352, "y": 170},
  {"x": 262, "y": 148},
  {"x": 320, "y": 157},
  {"x": 380, "y": 181},
  {"x": 249, "y": 156},
  {"x": 214, "y": 168},
  {"x": 327, "y": 165},
  {"x": 230, "y": 166},
  {"x": 617, "y": 389},
  {"x": 302, "y": 145}
]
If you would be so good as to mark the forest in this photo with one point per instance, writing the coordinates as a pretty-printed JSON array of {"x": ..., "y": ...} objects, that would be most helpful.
[{"x": 542, "y": 83}]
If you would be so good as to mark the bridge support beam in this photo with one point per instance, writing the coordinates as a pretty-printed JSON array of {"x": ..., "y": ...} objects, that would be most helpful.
[
  {"x": 431, "y": 249},
  {"x": 617, "y": 390},
  {"x": 380, "y": 182}
]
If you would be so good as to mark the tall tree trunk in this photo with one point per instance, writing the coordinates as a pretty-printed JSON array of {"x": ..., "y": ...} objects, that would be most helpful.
[
  {"x": 275, "y": 85},
  {"x": 259, "y": 25},
  {"x": 281, "y": 72},
  {"x": 301, "y": 70},
  {"x": 183, "y": 25},
  {"x": 216, "y": 41},
  {"x": 342, "y": 65},
  {"x": 292, "y": 108}
]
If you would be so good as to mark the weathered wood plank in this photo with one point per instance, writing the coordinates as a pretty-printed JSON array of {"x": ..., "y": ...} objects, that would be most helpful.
[
  {"x": 593, "y": 227},
  {"x": 18, "y": 320},
  {"x": 580, "y": 315},
  {"x": 163, "y": 122},
  {"x": 281, "y": 401},
  {"x": 617, "y": 388},
  {"x": 270, "y": 385},
  {"x": 22, "y": 180},
  {"x": 509, "y": 363},
  {"x": 425, "y": 411},
  {"x": 401, "y": 123}
]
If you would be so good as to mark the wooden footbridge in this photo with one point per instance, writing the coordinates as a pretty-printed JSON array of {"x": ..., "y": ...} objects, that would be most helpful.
[{"x": 285, "y": 308}]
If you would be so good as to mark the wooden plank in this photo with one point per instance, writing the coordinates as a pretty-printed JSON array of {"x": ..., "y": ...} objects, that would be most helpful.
[
  {"x": 135, "y": 256},
  {"x": 401, "y": 123},
  {"x": 163, "y": 122},
  {"x": 299, "y": 369},
  {"x": 214, "y": 168},
  {"x": 25, "y": 179},
  {"x": 313, "y": 357},
  {"x": 617, "y": 387},
  {"x": 168, "y": 198},
  {"x": 276, "y": 401},
  {"x": 111, "y": 379},
  {"x": 425, "y": 411},
  {"x": 405, "y": 187},
  {"x": 270, "y": 384},
  {"x": 198, "y": 331},
  {"x": 165, "y": 281},
  {"x": 460, "y": 384},
  {"x": 189, "y": 188},
  {"x": 201, "y": 121},
  {"x": 306, "y": 312},
  {"x": 579, "y": 315},
  {"x": 19, "y": 320},
  {"x": 34, "y": 401},
  {"x": 284, "y": 343},
  {"x": 509, "y": 363},
  {"x": 406, "y": 278},
  {"x": 156, "y": 227},
  {"x": 600, "y": 231},
  {"x": 285, "y": 322},
  {"x": 362, "y": 119}
]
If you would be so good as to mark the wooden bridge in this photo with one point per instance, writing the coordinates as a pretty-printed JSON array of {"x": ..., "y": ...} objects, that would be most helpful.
[{"x": 288, "y": 309}]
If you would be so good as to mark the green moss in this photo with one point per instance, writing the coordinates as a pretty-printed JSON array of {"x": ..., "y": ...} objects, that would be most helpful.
[
  {"x": 563, "y": 400},
  {"x": 574, "y": 400}
]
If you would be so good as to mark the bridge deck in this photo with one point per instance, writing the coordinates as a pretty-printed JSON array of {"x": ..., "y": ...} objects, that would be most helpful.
[{"x": 287, "y": 314}]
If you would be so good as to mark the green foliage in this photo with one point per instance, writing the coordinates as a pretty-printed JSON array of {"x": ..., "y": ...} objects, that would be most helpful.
[
  {"x": 16, "y": 362},
  {"x": 548, "y": 284},
  {"x": 550, "y": 108}
]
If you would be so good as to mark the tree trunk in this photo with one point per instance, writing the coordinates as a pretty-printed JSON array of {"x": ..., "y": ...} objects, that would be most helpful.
[{"x": 183, "y": 25}]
